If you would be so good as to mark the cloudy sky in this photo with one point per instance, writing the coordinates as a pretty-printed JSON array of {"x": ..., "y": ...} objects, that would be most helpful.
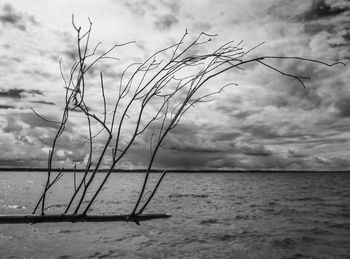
[{"x": 266, "y": 122}]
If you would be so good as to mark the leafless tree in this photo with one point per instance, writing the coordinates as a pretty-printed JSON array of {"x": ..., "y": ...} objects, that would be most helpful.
[{"x": 157, "y": 92}]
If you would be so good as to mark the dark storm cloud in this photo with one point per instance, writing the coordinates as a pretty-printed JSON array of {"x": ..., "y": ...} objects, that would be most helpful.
[
  {"x": 253, "y": 149},
  {"x": 18, "y": 93},
  {"x": 328, "y": 16},
  {"x": 321, "y": 9},
  {"x": 205, "y": 143},
  {"x": 12, "y": 93},
  {"x": 180, "y": 159},
  {"x": 9, "y": 16},
  {"x": 165, "y": 22},
  {"x": 6, "y": 107}
]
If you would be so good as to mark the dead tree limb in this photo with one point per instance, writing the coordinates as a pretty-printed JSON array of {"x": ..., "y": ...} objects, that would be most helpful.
[{"x": 33, "y": 219}]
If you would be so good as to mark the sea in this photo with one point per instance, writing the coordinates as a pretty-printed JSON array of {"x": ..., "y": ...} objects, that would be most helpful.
[{"x": 213, "y": 215}]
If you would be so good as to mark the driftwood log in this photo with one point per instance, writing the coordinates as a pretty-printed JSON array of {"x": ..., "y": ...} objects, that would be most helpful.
[{"x": 32, "y": 219}]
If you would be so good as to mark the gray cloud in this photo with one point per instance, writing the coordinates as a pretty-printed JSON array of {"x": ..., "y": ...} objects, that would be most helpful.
[
  {"x": 165, "y": 22},
  {"x": 38, "y": 72},
  {"x": 226, "y": 135},
  {"x": 261, "y": 131},
  {"x": 28, "y": 143},
  {"x": 244, "y": 114},
  {"x": 140, "y": 7},
  {"x": 343, "y": 106},
  {"x": 275, "y": 162},
  {"x": 271, "y": 123},
  {"x": 18, "y": 93},
  {"x": 71, "y": 53},
  {"x": 296, "y": 154},
  {"x": 143, "y": 7},
  {"x": 321, "y": 9},
  {"x": 34, "y": 121},
  {"x": 252, "y": 149},
  {"x": 224, "y": 163},
  {"x": 12, "y": 93},
  {"x": 173, "y": 6},
  {"x": 16, "y": 19},
  {"x": 204, "y": 26},
  {"x": 205, "y": 143},
  {"x": 6, "y": 107},
  {"x": 183, "y": 160},
  {"x": 12, "y": 126},
  {"x": 333, "y": 162}
]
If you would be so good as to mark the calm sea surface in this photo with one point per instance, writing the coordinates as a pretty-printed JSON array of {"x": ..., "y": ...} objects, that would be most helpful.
[{"x": 214, "y": 215}]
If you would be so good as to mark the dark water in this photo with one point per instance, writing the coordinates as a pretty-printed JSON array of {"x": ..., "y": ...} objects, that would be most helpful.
[{"x": 213, "y": 216}]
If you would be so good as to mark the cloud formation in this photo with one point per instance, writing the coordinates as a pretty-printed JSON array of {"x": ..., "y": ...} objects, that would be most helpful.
[
  {"x": 9, "y": 16},
  {"x": 268, "y": 122},
  {"x": 165, "y": 22}
]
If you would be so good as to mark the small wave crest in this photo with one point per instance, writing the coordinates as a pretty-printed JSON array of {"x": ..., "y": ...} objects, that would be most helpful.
[
  {"x": 208, "y": 221},
  {"x": 13, "y": 207},
  {"x": 189, "y": 195}
]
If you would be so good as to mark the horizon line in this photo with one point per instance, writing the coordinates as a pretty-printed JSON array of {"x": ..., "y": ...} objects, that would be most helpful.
[{"x": 172, "y": 170}]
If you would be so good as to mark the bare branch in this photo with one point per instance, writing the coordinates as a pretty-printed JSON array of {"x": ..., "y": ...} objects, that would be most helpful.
[{"x": 44, "y": 119}]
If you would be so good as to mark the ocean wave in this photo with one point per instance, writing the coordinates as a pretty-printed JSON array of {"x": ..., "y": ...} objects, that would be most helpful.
[
  {"x": 300, "y": 256},
  {"x": 190, "y": 195},
  {"x": 226, "y": 237},
  {"x": 285, "y": 243},
  {"x": 101, "y": 255},
  {"x": 13, "y": 207},
  {"x": 208, "y": 221},
  {"x": 345, "y": 225}
]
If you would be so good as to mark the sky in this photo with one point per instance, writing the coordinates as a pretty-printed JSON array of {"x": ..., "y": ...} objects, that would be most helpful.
[{"x": 268, "y": 121}]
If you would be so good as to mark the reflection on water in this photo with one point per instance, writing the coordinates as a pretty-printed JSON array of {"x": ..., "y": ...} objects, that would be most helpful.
[{"x": 213, "y": 216}]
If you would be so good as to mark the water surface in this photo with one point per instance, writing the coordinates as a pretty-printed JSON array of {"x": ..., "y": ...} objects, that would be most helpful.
[{"x": 214, "y": 215}]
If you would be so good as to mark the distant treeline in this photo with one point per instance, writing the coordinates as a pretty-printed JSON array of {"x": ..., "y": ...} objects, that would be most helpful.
[{"x": 40, "y": 169}]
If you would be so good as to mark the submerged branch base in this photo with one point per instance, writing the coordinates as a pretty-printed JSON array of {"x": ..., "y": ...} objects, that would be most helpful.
[{"x": 32, "y": 219}]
